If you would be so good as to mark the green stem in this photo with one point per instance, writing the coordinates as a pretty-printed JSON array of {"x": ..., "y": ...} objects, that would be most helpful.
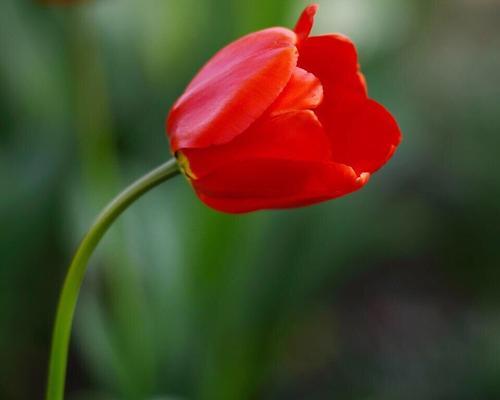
[{"x": 74, "y": 278}]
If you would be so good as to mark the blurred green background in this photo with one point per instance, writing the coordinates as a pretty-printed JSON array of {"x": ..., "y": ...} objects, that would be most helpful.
[{"x": 390, "y": 293}]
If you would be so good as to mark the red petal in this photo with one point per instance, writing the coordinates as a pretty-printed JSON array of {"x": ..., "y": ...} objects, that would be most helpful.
[
  {"x": 293, "y": 136},
  {"x": 233, "y": 89},
  {"x": 364, "y": 138},
  {"x": 305, "y": 22},
  {"x": 267, "y": 183},
  {"x": 303, "y": 92},
  {"x": 333, "y": 59},
  {"x": 363, "y": 133}
]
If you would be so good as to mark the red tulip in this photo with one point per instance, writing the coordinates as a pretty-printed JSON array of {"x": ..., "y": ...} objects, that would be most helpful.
[{"x": 280, "y": 119}]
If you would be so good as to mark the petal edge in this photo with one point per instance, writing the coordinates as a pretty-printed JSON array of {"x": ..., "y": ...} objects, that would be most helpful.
[{"x": 233, "y": 89}]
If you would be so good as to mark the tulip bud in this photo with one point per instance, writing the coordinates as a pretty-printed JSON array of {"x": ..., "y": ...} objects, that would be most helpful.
[{"x": 280, "y": 119}]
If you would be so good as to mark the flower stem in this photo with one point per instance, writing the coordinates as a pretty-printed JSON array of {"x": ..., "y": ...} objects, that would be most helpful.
[{"x": 74, "y": 278}]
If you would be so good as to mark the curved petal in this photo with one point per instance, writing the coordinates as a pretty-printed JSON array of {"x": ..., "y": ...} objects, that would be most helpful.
[
  {"x": 305, "y": 22},
  {"x": 233, "y": 89},
  {"x": 303, "y": 92},
  {"x": 363, "y": 134},
  {"x": 268, "y": 183},
  {"x": 295, "y": 135},
  {"x": 364, "y": 138},
  {"x": 333, "y": 59}
]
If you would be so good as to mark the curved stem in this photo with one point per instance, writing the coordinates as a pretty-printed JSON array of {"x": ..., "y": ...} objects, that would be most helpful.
[{"x": 72, "y": 283}]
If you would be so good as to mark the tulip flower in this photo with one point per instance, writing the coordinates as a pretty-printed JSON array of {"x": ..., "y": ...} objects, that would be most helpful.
[
  {"x": 280, "y": 119},
  {"x": 276, "y": 119}
]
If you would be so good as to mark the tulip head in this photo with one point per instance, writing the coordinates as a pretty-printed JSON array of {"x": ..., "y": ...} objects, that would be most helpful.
[{"x": 280, "y": 119}]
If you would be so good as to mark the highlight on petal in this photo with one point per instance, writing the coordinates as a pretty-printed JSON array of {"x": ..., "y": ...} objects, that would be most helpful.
[
  {"x": 303, "y": 92},
  {"x": 233, "y": 89},
  {"x": 295, "y": 135},
  {"x": 266, "y": 183},
  {"x": 305, "y": 23}
]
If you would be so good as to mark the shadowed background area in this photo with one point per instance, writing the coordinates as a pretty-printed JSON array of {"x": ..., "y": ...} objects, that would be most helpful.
[{"x": 389, "y": 293}]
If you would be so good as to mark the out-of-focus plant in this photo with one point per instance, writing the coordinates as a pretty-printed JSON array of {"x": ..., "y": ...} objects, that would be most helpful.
[
  {"x": 242, "y": 133},
  {"x": 273, "y": 305}
]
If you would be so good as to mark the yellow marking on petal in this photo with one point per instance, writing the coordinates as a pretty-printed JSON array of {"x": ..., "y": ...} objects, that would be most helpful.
[{"x": 183, "y": 162}]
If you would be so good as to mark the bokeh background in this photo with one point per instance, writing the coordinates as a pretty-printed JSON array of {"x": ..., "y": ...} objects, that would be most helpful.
[{"x": 390, "y": 293}]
